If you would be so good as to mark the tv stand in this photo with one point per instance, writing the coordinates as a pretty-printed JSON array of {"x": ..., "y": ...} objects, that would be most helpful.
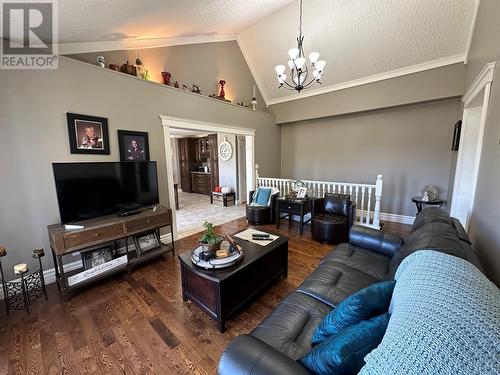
[
  {"x": 102, "y": 232},
  {"x": 129, "y": 213}
]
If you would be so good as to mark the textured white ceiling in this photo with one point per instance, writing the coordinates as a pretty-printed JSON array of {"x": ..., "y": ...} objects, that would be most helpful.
[
  {"x": 358, "y": 38},
  {"x": 106, "y": 20}
]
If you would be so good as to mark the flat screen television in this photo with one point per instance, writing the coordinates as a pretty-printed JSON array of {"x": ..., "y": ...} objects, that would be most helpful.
[{"x": 90, "y": 190}]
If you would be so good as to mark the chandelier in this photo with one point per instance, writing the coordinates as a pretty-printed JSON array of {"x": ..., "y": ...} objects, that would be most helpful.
[{"x": 299, "y": 71}]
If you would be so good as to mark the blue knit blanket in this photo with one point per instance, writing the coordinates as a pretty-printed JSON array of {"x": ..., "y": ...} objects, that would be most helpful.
[{"x": 445, "y": 320}]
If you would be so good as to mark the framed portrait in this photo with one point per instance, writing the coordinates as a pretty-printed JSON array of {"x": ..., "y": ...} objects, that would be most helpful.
[
  {"x": 134, "y": 146},
  {"x": 88, "y": 134},
  {"x": 302, "y": 192},
  {"x": 456, "y": 135},
  {"x": 94, "y": 258},
  {"x": 146, "y": 242}
]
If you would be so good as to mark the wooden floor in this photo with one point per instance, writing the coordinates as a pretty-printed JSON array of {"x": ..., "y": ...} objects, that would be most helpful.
[{"x": 138, "y": 324}]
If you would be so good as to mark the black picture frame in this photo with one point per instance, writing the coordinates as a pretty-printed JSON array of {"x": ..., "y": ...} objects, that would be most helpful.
[
  {"x": 127, "y": 153},
  {"x": 456, "y": 135},
  {"x": 141, "y": 242},
  {"x": 96, "y": 257},
  {"x": 79, "y": 142}
]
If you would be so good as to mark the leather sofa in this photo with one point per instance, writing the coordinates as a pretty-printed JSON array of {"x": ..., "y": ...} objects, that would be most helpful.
[
  {"x": 332, "y": 217},
  {"x": 261, "y": 214},
  {"x": 370, "y": 256}
]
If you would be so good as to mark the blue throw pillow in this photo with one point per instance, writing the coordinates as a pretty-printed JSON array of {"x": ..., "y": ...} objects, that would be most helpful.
[
  {"x": 344, "y": 352},
  {"x": 364, "y": 304},
  {"x": 263, "y": 195}
]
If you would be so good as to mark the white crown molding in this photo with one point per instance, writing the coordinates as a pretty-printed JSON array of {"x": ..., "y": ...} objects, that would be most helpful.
[
  {"x": 471, "y": 31},
  {"x": 433, "y": 64},
  {"x": 84, "y": 47},
  {"x": 484, "y": 77},
  {"x": 253, "y": 71}
]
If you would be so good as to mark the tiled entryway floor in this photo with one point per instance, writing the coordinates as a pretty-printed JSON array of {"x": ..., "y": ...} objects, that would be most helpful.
[{"x": 194, "y": 209}]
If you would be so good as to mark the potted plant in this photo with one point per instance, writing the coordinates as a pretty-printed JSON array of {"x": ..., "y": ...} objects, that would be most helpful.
[{"x": 210, "y": 241}]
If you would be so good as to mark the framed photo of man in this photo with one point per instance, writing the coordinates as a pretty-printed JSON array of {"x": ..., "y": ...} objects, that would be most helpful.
[
  {"x": 88, "y": 134},
  {"x": 134, "y": 146}
]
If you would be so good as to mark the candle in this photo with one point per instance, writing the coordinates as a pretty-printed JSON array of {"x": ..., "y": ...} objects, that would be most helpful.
[
  {"x": 253, "y": 96},
  {"x": 3, "y": 252},
  {"x": 21, "y": 268}
]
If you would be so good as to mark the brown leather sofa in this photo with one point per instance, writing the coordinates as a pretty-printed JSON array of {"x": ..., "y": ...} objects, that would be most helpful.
[
  {"x": 261, "y": 214},
  {"x": 332, "y": 217}
]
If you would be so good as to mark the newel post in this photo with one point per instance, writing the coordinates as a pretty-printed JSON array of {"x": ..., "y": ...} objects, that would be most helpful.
[
  {"x": 256, "y": 175},
  {"x": 378, "y": 197}
]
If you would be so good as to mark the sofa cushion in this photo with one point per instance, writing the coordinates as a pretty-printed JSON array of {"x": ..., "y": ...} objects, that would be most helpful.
[
  {"x": 290, "y": 326},
  {"x": 333, "y": 281},
  {"x": 430, "y": 215},
  {"x": 445, "y": 320},
  {"x": 369, "y": 262},
  {"x": 344, "y": 352},
  {"x": 261, "y": 196},
  {"x": 337, "y": 204},
  {"x": 435, "y": 236},
  {"x": 364, "y": 304}
]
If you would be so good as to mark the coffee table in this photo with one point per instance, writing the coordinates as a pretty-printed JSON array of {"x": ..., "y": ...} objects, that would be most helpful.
[{"x": 221, "y": 293}]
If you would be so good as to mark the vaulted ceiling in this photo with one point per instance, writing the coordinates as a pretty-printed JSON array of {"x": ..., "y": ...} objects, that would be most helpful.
[{"x": 360, "y": 40}]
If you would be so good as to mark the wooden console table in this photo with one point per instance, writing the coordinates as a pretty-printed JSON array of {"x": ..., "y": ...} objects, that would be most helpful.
[{"x": 100, "y": 232}]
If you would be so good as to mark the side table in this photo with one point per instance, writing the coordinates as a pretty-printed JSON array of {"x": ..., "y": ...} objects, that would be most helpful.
[
  {"x": 293, "y": 206},
  {"x": 420, "y": 203}
]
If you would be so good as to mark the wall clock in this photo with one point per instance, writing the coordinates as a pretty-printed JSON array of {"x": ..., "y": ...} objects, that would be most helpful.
[{"x": 225, "y": 150}]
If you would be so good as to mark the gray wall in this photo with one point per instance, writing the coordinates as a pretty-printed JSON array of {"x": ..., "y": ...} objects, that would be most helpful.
[
  {"x": 203, "y": 64},
  {"x": 483, "y": 227},
  {"x": 34, "y": 131},
  {"x": 429, "y": 85},
  {"x": 227, "y": 168},
  {"x": 409, "y": 145}
]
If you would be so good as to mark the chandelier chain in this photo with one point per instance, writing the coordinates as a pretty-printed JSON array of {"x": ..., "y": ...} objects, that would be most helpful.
[{"x": 300, "y": 18}]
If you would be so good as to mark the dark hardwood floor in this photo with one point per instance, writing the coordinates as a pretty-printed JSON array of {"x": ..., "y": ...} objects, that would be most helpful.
[{"x": 138, "y": 324}]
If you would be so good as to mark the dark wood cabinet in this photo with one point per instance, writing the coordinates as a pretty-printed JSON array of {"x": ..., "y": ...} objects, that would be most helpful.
[
  {"x": 213, "y": 161},
  {"x": 200, "y": 183},
  {"x": 187, "y": 162}
]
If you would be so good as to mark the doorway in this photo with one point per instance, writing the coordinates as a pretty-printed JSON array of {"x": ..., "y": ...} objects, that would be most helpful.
[
  {"x": 201, "y": 207},
  {"x": 471, "y": 140}
]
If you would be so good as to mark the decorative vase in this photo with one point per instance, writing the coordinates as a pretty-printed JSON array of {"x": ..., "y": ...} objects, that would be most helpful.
[
  {"x": 222, "y": 94},
  {"x": 167, "y": 77}
]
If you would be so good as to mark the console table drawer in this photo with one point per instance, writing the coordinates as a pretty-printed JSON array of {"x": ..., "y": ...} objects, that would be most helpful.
[
  {"x": 140, "y": 223},
  {"x": 290, "y": 207},
  {"x": 92, "y": 235}
]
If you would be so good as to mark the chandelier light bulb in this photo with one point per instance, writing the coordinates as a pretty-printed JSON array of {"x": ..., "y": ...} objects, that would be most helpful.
[
  {"x": 291, "y": 65},
  {"x": 280, "y": 69},
  {"x": 293, "y": 53},
  {"x": 320, "y": 65},
  {"x": 317, "y": 75},
  {"x": 313, "y": 57},
  {"x": 300, "y": 62},
  {"x": 282, "y": 78}
]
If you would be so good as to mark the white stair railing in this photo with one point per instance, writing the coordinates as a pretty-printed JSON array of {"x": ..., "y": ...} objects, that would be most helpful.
[{"x": 367, "y": 197}]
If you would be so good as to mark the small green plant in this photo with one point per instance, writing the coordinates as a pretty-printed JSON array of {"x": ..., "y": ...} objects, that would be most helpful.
[{"x": 209, "y": 237}]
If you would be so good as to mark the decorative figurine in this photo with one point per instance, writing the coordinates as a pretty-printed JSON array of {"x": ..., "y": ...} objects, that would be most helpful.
[
  {"x": 139, "y": 69},
  {"x": 196, "y": 89},
  {"x": 128, "y": 69},
  {"x": 114, "y": 67},
  {"x": 167, "y": 78},
  {"x": 253, "y": 102},
  {"x": 101, "y": 61},
  {"x": 222, "y": 94},
  {"x": 176, "y": 84},
  {"x": 184, "y": 87}
]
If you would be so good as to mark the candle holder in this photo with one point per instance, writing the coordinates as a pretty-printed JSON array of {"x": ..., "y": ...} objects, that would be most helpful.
[{"x": 19, "y": 295}]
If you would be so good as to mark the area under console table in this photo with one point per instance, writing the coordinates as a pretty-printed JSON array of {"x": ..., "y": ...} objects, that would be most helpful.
[{"x": 113, "y": 231}]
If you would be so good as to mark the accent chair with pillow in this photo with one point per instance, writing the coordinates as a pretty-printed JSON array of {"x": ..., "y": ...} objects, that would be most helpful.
[
  {"x": 261, "y": 207},
  {"x": 332, "y": 217}
]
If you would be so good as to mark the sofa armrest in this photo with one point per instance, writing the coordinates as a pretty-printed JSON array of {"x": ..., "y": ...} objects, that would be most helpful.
[
  {"x": 375, "y": 240},
  {"x": 317, "y": 207},
  {"x": 246, "y": 355}
]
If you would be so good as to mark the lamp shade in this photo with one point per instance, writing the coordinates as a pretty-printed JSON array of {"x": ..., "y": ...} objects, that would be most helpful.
[
  {"x": 313, "y": 57},
  {"x": 280, "y": 69},
  {"x": 320, "y": 65},
  {"x": 293, "y": 53}
]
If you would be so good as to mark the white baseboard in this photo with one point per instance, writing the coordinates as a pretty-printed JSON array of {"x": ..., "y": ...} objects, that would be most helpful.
[
  {"x": 395, "y": 218},
  {"x": 50, "y": 274}
]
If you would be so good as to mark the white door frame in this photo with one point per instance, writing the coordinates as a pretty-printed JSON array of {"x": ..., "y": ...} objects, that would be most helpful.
[
  {"x": 480, "y": 88},
  {"x": 168, "y": 122}
]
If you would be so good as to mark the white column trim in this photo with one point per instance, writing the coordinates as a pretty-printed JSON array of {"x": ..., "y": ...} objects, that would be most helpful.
[{"x": 484, "y": 77}]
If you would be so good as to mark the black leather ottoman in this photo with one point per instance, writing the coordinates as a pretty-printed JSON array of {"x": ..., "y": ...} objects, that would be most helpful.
[{"x": 330, "y": 228}]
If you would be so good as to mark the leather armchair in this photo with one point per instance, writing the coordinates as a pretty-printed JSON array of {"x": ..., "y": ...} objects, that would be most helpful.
[
  {"x": 332, "y": 217},
  {"x": 261, "y": 214}
]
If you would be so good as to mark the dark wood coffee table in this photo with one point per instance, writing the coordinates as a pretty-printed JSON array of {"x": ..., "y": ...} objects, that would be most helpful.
[{"x": 221, "y": 293}]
